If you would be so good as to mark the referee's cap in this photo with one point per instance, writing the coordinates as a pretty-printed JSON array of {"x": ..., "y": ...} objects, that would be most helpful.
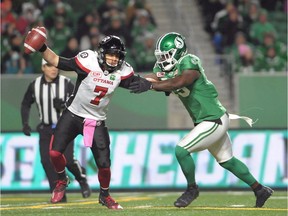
[{"x": 44, "y": 62}]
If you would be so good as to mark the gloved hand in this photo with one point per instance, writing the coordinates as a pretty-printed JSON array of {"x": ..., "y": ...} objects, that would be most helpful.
[
  {"x": 26, "y": 130},
  {"x": 140, "y": 85},
  {"x": 58, "y": 104}
]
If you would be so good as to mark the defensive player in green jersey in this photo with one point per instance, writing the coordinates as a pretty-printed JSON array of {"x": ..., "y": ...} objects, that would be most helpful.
[{"x": 182, "y": 73}]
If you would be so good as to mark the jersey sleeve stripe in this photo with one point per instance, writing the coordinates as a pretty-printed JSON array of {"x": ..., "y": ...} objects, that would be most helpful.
[
  {"x": 81, "y": 66},
  {"x": 127, "y": 76}
]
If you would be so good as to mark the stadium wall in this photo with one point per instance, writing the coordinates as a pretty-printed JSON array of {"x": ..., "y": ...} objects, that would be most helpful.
[{"x": 262, "y": 97}]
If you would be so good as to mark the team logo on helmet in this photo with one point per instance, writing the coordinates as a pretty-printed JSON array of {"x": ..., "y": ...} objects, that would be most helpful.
[
  {"x": 179, "y": 43},
  {"x": 105, "y": 39}
]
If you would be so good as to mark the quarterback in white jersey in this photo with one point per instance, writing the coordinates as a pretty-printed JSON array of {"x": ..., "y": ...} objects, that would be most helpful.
[
  {"x": 99, "y": 74},
  {"x": 97, "y": 89}
]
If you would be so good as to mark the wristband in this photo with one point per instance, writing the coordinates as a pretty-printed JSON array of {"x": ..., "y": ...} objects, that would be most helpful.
[{"x": 43, "y": 48}]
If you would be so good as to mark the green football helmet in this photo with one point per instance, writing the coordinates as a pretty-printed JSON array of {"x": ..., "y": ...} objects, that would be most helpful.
[{"x": 169, "y": 49}]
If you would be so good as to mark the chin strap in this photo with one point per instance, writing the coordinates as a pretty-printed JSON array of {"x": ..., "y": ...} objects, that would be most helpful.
[{"x": 245, "y": 118}]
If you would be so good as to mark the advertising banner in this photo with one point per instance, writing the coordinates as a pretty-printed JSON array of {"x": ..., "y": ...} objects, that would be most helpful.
[{"x": 146, "y": 160}]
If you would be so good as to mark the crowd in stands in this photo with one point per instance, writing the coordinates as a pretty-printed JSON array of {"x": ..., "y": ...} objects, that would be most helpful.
[
  {"x": 74, "y": 26},
  {"x": 252, "y": 32}
]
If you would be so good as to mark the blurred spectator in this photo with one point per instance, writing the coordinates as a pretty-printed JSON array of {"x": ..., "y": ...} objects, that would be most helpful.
[
  {"x": 270, "y": 62},
  {"x": 117, "y": 27},
  {"x": 244, "y": 5},
  {"x": 7, "y": 16},
  {"x": 247, "y": 61},
  {"x": 13, "y": 61},
  {"x": 59, "y": 35},
  {"x": 144, "y": 55},
  {"x": 28, "y": 16},
  {"x": 242, "y": 53},
  {"x": 221, "y": 15},
  {"x": 209, "y": 9},
  {"x": 132, "y": 11},
  {"x": 142, "y": 25},
  {"x": 218, "y": 19},
  {"x": 270, "y": 41},
  {"x": 71, "y": 49},
  {"x": 227, "y": 30},
  {"x": 8, "y": 31},
  {"x": 91, "y": 39},
  {"x": 59, "y": 9},
  {"x": 230, "y": 26},
  {"x": 259, "y": 28},
  {"x": 85, "y": 22},
  {"x": 251, "y": 16},
  {"x": 94, "y": 39},
  {"x": 105, "y": 6},
  {"x": 109, "y": 9}
]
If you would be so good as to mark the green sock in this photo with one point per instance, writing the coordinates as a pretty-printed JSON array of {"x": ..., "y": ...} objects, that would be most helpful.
[
  {"x": 186, "y": 163},
  {"x": 240, "y": 170}
]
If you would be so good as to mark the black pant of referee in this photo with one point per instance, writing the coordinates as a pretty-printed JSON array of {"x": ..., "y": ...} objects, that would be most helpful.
[{"x": 45, "y": 133}]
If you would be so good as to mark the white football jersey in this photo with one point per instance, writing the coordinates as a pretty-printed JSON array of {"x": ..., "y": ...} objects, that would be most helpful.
[{"x": 96, "y": 90}]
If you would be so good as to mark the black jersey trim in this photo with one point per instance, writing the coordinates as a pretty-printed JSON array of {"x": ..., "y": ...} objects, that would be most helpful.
[
  {"x": 127, "y": 76},
  {"x": 81, "y": 66}
]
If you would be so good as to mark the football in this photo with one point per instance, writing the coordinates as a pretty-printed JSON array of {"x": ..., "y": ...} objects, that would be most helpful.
[{"x": 35, "y": 40}]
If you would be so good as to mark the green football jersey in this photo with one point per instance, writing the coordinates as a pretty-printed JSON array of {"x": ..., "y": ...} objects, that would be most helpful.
[{"x": 200, "y": 98}]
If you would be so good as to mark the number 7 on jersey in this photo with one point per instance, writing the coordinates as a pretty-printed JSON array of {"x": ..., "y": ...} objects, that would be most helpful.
[{"x": 102, "y": 92}]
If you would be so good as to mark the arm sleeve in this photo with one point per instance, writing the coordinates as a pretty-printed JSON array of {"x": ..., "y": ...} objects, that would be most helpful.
[
  {"x": 67, "y": 64},
  {"x": 27, "y": 101}
]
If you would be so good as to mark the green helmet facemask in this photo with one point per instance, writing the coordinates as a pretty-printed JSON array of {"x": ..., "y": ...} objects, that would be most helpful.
[{"x": 169, "y": 49}]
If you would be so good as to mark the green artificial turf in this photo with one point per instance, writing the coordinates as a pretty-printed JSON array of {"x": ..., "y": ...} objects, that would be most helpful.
[{"x": 146, "y": 204}]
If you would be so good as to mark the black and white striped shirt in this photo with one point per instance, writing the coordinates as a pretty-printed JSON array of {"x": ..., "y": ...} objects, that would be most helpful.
[{"x": 43, "y": 93}]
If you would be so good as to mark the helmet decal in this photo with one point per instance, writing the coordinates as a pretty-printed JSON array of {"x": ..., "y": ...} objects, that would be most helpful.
[
  {"x": 179, "y": 43},
  {"x": 106, "y": 38}
]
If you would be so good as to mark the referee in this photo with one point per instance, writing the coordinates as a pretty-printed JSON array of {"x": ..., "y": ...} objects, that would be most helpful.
[{"x": 49, "y": 92}]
